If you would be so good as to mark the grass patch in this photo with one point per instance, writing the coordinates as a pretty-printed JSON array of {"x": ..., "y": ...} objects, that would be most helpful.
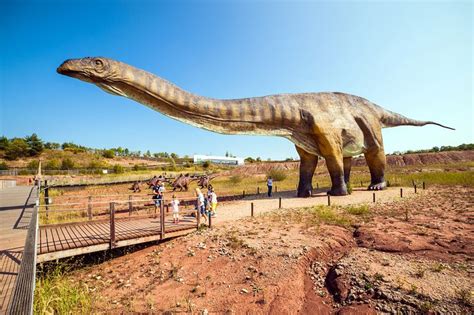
[
  {"x": 312, "y": 216},
  {"x": 358, "y": 209},
  {"x": 55, "y": 294},
  {"x": 235, "y": 179}
]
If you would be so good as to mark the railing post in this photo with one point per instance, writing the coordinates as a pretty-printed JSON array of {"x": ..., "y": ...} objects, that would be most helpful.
[
  {"x": 209, "y": 216},
  {"x": 317, "y": 185},
  {"x": 415, "y": 188},
  {"x": 251, "y": 209},
  {"x": 46, "y": 197},
  {"x": 329, "y": 200},
  {"x": 258, "y": 190},
  {"x": 89, "y": 207},
  {"x": 112, "y": 225},
  {"x": 243, "y": 194},
  {"x": 401, "y": 192},
  {"x": 373, "y": 197},
  {"x": 130, "y": 206},
  {"x": 162, "y": 219},
  {"x": 198, "y": 218},
  {"x": 424, "y": 187},
  {"x": 276, "y": 189},
  {"x": 279, "y": 203}
]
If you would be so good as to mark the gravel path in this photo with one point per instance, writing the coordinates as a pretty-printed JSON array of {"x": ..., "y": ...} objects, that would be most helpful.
[{"x": 235, "y": 210}]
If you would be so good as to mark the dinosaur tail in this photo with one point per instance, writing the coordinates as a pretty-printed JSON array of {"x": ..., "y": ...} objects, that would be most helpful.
[{"x": 391, "y": 119}]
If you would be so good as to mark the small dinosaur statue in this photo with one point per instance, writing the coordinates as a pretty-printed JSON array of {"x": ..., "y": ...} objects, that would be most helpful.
[{"x": 336, "y": 126}]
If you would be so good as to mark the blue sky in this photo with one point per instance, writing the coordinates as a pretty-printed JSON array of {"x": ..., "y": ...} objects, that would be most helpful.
[{"x": 414, "y": 58}]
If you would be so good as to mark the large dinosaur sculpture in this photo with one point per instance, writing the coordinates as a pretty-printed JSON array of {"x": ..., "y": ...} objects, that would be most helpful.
[{"x": 335, "y": 126}]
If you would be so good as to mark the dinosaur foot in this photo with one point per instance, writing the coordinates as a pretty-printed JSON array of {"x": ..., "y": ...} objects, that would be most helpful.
[
  {"x": 338, "y": 191},
  {"x": 378, "y": 186},
  {"x": 304, "y": 193}
]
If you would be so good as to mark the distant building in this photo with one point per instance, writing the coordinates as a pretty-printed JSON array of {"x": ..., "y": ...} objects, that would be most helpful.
[{"x": 199, "y": 159}]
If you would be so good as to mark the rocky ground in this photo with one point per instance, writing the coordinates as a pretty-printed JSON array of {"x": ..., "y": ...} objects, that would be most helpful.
[{"x": 405, "y": 256}]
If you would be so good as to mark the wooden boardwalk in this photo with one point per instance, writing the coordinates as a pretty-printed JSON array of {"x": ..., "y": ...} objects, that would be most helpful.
[
  {"x": 16, "y": 205},
  {"x": 67, "y": 240}
]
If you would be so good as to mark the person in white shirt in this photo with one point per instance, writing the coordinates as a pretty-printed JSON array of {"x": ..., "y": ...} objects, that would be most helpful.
[
  {"x": 270, "y": 186},
  {"x": 175, "y": 207},
  {"x": 200, "y": 203}
]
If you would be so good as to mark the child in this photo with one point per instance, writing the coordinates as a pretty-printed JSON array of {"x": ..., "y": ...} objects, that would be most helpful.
[
  {"x": 175, "y": 206},
  {"x": 213, "y": 202}
]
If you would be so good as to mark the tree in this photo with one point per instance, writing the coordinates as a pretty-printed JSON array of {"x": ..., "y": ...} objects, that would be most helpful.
[
  {"x": 16, "y": 148},
  {"x": 52, "y": 146},
  {"x": 4, "y": 143},
  {"x": 174, "y": 156},
  {"x": 249, "y": 159},
  {"x": 226, "y": 153},
  {"x": 3, "y": 166},
  {"x": 147, "y": 154},
  {"x": 35, "y": 145}
]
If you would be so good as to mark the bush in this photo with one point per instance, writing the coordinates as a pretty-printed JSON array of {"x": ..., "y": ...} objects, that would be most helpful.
[
  {"x": 206, "y": 164},
  {"x": 235, "y": 179},
  {"x": 3, "y": 166},
  {"x": 277, "y": 175},
  {"x": 118, "y": 169},
  {"x": 67, "y": 164},
  {"x": 33, "y": 165},
  {"x": 53, "y": 164},
  {"x": 96, "y": 164},
  {"x": 108, "y": 154}
]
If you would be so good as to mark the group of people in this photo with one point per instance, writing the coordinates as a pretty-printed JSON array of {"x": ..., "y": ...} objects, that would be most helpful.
[{"x": 205, "y": 205}]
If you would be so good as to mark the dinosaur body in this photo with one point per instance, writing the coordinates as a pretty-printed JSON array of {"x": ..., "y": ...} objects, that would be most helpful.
[
  {"x": 335, "y": 126},
  {"x": 182, "y": 182}
]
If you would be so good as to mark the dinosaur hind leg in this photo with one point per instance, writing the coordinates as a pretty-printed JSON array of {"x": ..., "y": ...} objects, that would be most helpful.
[
  {"x": 347, "y": 161},
  {"x": 376, "y": 161},
  {"x": 308, "y": 163}
]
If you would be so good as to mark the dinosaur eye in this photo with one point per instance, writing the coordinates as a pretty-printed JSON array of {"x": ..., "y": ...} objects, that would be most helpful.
[{"x": 99, "y": 63}]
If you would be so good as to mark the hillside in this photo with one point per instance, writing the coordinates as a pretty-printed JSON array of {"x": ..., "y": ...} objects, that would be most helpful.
[{"x": 416, "y": 159}]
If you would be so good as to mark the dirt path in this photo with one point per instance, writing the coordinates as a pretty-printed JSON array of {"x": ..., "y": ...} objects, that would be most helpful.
[{"x": 241, "y": 209}]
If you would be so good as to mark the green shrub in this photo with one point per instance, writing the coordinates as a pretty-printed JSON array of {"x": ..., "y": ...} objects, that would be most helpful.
[
  {"x": 96, "y": 164},
  {"x": 33, "y": 165},
  {"x": 277, "y": 175},
  {"x": 16, "y": 148},
  {"x": 109, "y": 154},
  {"x": 67, "y": 164},
  {"x": 206, "y": 164},
  {"x": 53, "y": 164},
  {"x": 235, "y": 179},
  {"x": 3, "y": 166},
  {"x": 118, "y": 169}
]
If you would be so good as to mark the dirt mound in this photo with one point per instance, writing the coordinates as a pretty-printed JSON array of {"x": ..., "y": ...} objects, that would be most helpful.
[{"x": 392, "y": 160}]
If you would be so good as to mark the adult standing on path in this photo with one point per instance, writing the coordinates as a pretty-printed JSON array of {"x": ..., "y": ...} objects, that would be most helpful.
[{"x": 270, "y": 185}]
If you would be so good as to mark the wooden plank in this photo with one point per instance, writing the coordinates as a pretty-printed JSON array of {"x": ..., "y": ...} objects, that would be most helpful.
[
  {"x": 81, "y": 235},
  {"x": 88, "y": 234},
  {"x": 77, "y": 236},
  {"x": 64, "y": 237},
  {"x": 70, "y": 237},
  {"x": 59, "y": 240},
  {"x": 47, "y": 241}
]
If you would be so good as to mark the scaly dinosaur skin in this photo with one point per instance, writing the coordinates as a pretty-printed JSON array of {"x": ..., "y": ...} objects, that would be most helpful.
[{"x": 335, "y": 126}]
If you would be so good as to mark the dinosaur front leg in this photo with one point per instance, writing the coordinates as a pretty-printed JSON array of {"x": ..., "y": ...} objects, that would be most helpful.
[
  {"x": 308, "y": 163},
  {"x": 347, "y": 161},
  {"x": 336, "y": 170},
  {"x": 376, "y": 161}
]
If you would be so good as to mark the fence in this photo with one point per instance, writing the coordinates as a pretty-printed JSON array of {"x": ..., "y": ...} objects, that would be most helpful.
[{"x": 22, "y": 302}]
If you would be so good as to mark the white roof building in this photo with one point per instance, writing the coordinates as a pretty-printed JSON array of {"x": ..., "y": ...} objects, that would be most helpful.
[{"x": 199, "y": 159}]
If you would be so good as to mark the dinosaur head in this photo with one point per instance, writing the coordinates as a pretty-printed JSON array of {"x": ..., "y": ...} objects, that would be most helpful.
[{"x": 97, "y": 70}]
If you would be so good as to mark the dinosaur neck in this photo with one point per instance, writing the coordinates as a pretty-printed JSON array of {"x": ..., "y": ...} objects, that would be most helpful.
[{"x": 260, "y": 115}]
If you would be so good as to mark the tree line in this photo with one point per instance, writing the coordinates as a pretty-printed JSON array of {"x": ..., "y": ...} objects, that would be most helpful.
[{"x": 31, "y": 146}]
